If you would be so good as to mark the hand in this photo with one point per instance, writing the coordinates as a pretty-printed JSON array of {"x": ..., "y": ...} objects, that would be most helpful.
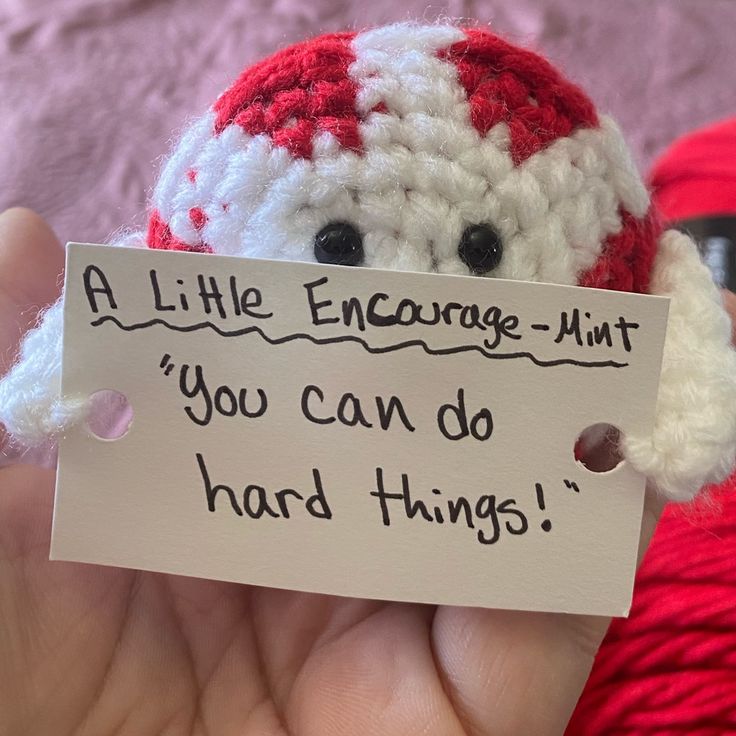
[
  {"x": 87, "y": 650},
  {"x": 729, "y": 302}
]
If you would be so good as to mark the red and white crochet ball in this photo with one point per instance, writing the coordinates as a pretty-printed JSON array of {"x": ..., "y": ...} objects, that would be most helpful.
[
  {"x": 412, "y": 136},
  {"x": 411, "y": 133}
]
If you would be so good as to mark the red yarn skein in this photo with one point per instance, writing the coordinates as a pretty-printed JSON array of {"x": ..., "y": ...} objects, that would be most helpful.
[{"x": 670, "y": 668}]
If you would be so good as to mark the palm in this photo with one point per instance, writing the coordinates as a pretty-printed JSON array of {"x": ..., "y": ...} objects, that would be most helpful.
[
  {"x": 91, "y": 650},
  {"x": 88, "y": 649}
]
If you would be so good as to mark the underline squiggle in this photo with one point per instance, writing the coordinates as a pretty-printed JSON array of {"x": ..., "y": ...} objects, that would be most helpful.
[{"x": 359, "y": 340}]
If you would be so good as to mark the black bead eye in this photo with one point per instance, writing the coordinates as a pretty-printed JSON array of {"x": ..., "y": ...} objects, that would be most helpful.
[
  {"x": 339, "y": 243},
  {"x": 480, "y": 248}
]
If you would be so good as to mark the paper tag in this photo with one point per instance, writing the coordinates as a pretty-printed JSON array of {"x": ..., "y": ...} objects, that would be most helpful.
[{"x": 357, "y": 432}]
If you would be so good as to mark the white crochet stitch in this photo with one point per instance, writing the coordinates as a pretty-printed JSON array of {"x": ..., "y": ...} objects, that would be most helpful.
[
  {"x": 693, "y": 439},
  {"x": 424, "y": 175}
]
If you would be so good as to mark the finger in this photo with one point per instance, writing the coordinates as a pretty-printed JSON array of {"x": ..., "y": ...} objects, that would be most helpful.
[
  {"x": 512, "y": 672},
  {"x": 31, "y": 262}
]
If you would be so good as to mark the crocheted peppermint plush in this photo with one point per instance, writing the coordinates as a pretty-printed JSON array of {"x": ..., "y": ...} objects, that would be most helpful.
[{"x": 432, "y": 148}]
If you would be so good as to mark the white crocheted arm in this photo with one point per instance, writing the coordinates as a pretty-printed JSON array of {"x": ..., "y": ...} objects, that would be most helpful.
[
  {"x": 694, "y": 439},
  {"x": 31, "y": 407}
]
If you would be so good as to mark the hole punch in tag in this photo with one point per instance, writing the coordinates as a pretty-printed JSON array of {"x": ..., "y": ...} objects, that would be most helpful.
[
  {"x": 356, "y": 432},
  {"x": 110, "y": 415},
  {"x": 598, "y": 448}
]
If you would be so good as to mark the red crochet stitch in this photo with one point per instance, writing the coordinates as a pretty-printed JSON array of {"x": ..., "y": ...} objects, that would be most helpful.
[
  {"x": 198, "y": 217},
  {"x": 626, "y": 261},
  {"x": 295, "y": 94},
  {"x": 159, "y": 236},
  {"x": 512, "y": 85}
]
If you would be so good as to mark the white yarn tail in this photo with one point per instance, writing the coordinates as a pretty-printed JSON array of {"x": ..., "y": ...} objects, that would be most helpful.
[
  {"x": 31, "y": 406},
  {"x": 32, "y": 409},
  {"x": 694, "y": 439}
]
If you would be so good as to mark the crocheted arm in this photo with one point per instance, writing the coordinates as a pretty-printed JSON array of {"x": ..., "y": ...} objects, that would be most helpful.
[
  {"x": 31, "y": 407},
  {"x": 694, "y": 439}
]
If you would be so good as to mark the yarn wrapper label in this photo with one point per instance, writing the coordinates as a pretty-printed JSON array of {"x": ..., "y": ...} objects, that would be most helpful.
[{"x": 351, "y": 431}]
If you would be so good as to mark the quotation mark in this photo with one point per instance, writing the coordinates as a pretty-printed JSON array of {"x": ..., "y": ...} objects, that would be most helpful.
[
  {"x": 572, "y": 485},
  {"x": 166, "y": 365}
]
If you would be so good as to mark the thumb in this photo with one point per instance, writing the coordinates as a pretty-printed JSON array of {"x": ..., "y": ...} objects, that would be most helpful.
[
  {"x": 729, "y": 302},
  {"x": 31, "y": 262}
]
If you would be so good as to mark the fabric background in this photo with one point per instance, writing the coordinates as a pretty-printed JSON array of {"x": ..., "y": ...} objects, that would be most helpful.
[{"x": 92, "y": 91}]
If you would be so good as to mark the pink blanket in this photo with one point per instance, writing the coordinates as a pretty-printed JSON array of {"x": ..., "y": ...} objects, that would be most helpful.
[{"x": 94, "y": 90}]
